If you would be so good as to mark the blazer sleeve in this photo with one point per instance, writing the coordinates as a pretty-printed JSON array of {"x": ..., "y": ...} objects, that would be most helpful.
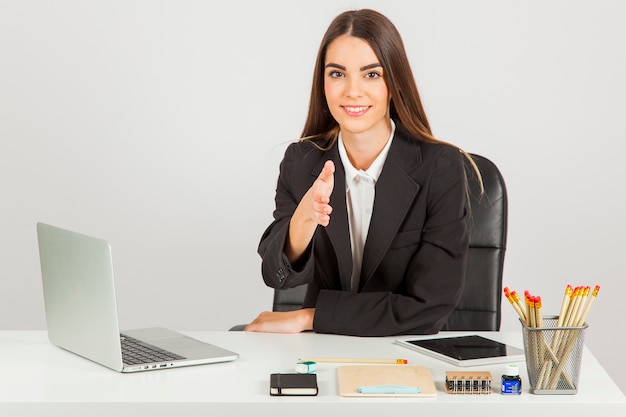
[
  {"x": 435, "y": 272},
  {"x": 276, "y": 269}
]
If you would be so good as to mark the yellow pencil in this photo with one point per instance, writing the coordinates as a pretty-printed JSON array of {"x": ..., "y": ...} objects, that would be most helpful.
[
  {"x": 356, "y": 360},
  {"x": 521, "y": 306},
  {"x": 516, "y": 307},
  {"x": 538, "y": 312},
  {"x": 532, "y": 316},
  {"x": 581, "y": 308},
  {"x": 564, "y": 305},
  {"x": 593, "y": 296}
]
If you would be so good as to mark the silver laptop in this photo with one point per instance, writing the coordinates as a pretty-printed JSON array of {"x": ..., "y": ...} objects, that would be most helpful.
[{"x": 81, "y": 310}]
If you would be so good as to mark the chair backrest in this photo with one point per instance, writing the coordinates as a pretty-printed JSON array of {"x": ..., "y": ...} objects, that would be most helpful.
[{"x": 480, "y": 304}]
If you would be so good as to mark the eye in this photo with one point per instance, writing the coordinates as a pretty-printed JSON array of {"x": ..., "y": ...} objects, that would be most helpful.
[
  {"x": 335, "y": 74},
  {"x": 373, "y": 74}
]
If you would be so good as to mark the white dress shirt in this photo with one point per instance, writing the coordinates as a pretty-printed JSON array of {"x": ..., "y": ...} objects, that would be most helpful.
[{"x": 360, "y": 193}]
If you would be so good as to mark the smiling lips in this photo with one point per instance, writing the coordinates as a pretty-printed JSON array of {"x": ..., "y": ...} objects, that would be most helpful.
[{"x": 355, "y": 110}]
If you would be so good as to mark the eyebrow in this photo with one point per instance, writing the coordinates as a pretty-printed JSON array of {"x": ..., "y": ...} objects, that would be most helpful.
[{"x": 341, "y": 67}]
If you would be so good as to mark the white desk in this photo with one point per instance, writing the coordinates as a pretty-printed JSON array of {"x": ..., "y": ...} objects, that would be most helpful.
[{"x": 40, "y": 379}]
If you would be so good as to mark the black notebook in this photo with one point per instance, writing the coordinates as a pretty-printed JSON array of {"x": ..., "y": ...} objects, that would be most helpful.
[{"x": 293, "y": 384}]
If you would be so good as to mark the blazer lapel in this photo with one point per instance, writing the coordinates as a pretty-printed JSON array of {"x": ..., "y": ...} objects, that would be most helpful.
[
  {"x": 338, "y": 230},
  {"x": 395, "y": 193}
]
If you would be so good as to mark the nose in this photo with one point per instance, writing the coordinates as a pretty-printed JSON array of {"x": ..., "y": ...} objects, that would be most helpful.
[{"x": 354, "y": 87}]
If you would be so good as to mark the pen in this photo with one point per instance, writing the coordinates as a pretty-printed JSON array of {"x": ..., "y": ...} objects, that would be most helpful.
[
  {"x": 356, "y": 360},
  {"x": 388, "y": 389}
]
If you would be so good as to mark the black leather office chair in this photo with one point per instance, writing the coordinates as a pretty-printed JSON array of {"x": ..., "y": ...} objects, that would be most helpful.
[{"x": 480, "y": 304}]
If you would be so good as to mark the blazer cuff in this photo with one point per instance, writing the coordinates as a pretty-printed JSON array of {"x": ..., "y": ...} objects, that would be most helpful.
[{"x": 283, "y": 274}]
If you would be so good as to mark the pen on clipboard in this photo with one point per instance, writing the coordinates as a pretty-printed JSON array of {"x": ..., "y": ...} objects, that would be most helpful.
[
  {"x": 356, "y": 360},
  {"x": 388, "y": 389}
]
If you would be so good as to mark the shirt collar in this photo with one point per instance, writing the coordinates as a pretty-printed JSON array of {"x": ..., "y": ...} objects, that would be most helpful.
[{"x": 377, "y": 166}]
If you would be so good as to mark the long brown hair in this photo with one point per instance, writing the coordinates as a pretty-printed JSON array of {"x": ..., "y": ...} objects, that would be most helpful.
[{"x": 385, "y": 40}]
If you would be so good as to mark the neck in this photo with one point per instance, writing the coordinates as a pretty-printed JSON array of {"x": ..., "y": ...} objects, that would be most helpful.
[{"x": 362, "y": 149}]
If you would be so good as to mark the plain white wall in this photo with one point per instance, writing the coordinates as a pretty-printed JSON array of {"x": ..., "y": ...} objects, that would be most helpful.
[{"x": 159, "y": 125}]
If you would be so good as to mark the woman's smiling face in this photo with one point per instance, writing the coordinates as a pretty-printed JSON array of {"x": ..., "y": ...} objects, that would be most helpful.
[{"x": 355, "y": 89}]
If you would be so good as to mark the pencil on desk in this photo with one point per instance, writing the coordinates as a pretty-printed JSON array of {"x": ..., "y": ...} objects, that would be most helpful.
[{"x": 356, "y": 360}]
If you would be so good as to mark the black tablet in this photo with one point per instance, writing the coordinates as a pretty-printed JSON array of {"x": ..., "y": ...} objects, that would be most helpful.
[{"x": 470, "y": 350}]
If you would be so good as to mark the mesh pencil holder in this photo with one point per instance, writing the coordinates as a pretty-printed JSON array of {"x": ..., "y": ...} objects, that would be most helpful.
[{"x": 553, "y": 356}]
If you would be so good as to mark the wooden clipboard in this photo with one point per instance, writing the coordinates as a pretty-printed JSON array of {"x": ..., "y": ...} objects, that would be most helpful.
[{"x": 350, "y": 378}]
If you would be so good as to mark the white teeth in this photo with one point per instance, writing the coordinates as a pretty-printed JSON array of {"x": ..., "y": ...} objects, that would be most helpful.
[{"x": 356, "y": 109}]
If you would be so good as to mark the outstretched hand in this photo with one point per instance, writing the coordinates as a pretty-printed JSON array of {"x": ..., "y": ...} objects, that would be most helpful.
[
  {"x": 320, "y": 191},
  {"x": 314, "y": 209}
]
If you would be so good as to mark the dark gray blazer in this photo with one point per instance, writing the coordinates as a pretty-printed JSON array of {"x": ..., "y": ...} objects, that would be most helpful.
[{"x": 414, "y": 259}]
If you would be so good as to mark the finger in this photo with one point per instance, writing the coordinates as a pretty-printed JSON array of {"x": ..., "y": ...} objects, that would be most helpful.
[
  {"x": 324, "y": 220},
  {"x": 320, "y": 199},
  {"x": 327, "y": 172},
  {"x": 321, "y": 210}
]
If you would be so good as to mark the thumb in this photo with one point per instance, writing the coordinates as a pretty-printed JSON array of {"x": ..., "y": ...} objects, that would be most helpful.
[{"x": 327, "y": 172}]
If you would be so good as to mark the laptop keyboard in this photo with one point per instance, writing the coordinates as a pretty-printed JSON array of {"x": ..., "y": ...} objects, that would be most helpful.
[{"x": 135, "y": 352}]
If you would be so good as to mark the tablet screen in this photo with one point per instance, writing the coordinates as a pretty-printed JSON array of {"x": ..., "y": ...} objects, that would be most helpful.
[{"x": 467, "y": 347}]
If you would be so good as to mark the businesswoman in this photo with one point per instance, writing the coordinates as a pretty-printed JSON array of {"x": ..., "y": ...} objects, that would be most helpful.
[{"x": 370, "y": 207}]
